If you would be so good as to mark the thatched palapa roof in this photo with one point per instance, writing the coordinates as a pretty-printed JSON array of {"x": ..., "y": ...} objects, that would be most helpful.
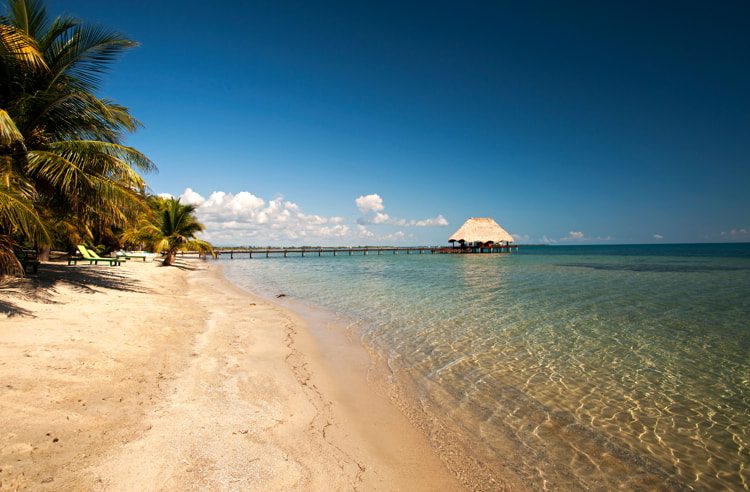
[{"x": 481, "y": 230}]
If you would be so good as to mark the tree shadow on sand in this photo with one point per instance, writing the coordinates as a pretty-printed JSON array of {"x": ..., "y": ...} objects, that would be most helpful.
[
  {"x": 182, "y": 265},
  {"x": 10, "y": 309},
  {"x": 85, "y": 279}
]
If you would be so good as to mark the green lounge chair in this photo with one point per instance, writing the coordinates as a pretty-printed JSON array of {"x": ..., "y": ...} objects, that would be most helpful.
[
  {"x": 96, "y": 257},
  {"x": 91, "y": 257},
  {"x": 125, "y": 255}
]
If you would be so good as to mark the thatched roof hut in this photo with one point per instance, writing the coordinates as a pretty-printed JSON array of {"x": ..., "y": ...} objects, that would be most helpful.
[{"x": 481, "y": 230}]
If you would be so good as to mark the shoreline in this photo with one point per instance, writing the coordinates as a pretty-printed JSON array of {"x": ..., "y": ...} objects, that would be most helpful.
[
  {"x": 341, "y": 341},
  {"x": 502, "y": 438},
  {"x": 161, "y": 378}
]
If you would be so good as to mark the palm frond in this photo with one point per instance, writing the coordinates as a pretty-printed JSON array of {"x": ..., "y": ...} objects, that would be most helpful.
[
  {"x": 144, "y": 232},
  {"x": 77, "y": 115},
  {"x": 178, "y": 220},
  {"x": 162, "y": 244},
  {"x": 86, "y": 192},
  {"x": 9, "y": 134},
  {"x": 16, "y": 47},
  {"x": 28, "y": 15},
  {"x": 58, "y": 28},
  {"x": 55, "y": 169},
  {"x": 9, "y": 263},
  {"x": 119, "y": 114},
  {"x": 17, "y": 215},
  {"x": 120, "y": 155},
  {"x": 198, "y": 245},
  {"x": 84, "y": 53}
]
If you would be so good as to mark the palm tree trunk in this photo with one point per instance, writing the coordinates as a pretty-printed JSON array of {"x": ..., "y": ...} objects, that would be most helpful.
[
  {"x": 44, "y": 252},
  {"x": 169, "y": 258}
]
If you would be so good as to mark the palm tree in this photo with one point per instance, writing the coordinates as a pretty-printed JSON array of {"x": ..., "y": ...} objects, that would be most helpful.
[
  {"x": 61, "y": 151},
  {"x": 178, "y": 228},
  {"x": 17, "y": 214},
  {"x": 170, "y": 228}
]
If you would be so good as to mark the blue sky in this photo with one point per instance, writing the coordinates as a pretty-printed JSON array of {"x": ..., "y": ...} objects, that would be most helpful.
[{"x": 568, "y": 122}]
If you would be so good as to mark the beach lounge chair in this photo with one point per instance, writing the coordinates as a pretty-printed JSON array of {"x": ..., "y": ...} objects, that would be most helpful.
[
  {"x": 28, "y": 259},
  {"x": 91, "y": 257},
  {"x": 129, "y": 255},
  {"x": 95, "y": 256}
]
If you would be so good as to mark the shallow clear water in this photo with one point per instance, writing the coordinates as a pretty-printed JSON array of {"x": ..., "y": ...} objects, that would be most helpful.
[{"x": 569, "y": 367}]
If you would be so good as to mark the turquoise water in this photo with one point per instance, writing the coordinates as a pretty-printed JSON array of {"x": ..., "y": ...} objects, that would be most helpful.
[{"x": 567, "y": 367}]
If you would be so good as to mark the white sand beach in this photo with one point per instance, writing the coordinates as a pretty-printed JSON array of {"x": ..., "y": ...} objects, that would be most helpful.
[{"x": 142, "y": 377}]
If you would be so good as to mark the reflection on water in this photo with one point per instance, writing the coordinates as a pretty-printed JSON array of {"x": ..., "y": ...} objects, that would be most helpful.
[{"x": 581, "y": 370}]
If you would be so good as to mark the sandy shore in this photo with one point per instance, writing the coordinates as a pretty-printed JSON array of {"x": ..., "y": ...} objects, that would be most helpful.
[{"x": 144, "y": 378}]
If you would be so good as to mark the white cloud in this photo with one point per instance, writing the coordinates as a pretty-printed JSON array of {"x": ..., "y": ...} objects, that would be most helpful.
[
  {"x": 334, "y": 231},
  {"x": 396, "y": 236},
  {"x": 735, "y": 232},
  {"x": 658, "y": 236},
  {"x": 436, "y": 221},
  {"x": 381, "y": 218},
  {"x": 190, "y": 197},
  {"x": 520, "y": 237},
  {"x": 362, "y": 231},
  {"x": 369, "y": 203},
  {"x": 246, "y": 219},
  {"x": 576, "y": 237},
  {"x": 372, "y": 207}
]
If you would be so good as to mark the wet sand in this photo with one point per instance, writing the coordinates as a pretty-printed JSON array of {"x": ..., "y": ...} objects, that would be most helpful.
[{"x": 150, "y": 378}]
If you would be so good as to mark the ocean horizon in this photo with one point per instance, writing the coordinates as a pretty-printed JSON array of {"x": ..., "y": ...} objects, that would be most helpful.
[{"x": 569, "y": 366}]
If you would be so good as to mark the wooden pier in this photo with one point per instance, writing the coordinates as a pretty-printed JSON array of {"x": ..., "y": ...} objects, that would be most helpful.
[{"x": 350, "y": 251}]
